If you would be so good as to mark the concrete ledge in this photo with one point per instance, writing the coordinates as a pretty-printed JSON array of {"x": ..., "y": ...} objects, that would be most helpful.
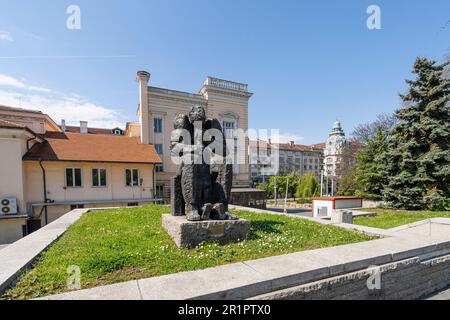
[
  {"x": 17, "y": 257},
  {"x": 116, "y": 292}
]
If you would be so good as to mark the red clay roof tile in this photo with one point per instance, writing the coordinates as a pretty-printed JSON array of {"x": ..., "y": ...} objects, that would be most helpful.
[{"x": 92, "y": 148}]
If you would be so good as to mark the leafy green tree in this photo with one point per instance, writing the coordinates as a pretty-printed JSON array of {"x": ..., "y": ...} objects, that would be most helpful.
[
  {"x": 281, "y": 185},
  {"x": 347, "y": 184},
  {"x": 418, "y": 157},
  {"x": 308, "y": 186},
  {"x": 362, "y": 177},
  {"x": 294, "y": 179}
]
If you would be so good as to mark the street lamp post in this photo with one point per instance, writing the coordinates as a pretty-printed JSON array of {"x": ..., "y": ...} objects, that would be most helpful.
[
  {"x": 321, "y": 183},
  {"x": 275, "y": 190}
]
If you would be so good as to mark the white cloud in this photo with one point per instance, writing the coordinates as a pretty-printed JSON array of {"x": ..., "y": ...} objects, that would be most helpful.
[
  {"x": 8, "y": 81},
  {"x": 11, "y": 82},
  {"x": 73, "y": 108},
  {"x": 5, "y": 36}
]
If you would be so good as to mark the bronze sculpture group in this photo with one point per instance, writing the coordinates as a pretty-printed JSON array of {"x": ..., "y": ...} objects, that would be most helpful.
[{"x": 202, "y": 186}]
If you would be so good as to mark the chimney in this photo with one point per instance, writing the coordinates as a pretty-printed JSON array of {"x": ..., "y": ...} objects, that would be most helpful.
[
  {"x": 143, "y": 77},
  {"x": 63, "y": 125},
  {"x": 83, "y": 127}
]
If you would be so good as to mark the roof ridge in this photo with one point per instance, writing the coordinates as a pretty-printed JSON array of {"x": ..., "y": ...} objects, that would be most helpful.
[{"x": 6, "y": 108}]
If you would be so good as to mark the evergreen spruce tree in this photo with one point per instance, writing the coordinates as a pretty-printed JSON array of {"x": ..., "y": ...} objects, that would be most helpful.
[
  {"x": 418, "y": 158},
  {"x": 370, "y": 180}
]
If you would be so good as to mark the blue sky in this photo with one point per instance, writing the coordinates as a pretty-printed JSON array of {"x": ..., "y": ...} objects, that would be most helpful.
[{"x": 307, "y": 62}]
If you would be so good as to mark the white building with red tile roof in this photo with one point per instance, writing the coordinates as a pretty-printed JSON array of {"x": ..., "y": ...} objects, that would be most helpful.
[{"x": 47, "y": 170}]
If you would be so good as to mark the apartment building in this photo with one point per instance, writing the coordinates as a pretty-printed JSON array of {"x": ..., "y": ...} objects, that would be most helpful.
[{"x": 292, "y": 158}]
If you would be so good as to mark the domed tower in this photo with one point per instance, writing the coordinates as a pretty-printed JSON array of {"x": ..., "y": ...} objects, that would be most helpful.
[
  {"x": 336, "y": 141},
  {"x": 334, "y": 148}
]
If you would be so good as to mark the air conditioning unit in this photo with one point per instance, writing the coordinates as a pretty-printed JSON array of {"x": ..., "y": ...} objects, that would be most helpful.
[{"x": 8, "y": 206}]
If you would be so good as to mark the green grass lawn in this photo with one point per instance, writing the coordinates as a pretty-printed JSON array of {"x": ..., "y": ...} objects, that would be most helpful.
[
  {"x": 387, "y": 218},
  {"x": 125, "y": 244}
]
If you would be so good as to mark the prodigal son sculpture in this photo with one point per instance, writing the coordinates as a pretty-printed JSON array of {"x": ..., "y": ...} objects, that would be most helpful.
[
  {"x": 203, "y": 182},
  {"x": 201, "y": 188}
]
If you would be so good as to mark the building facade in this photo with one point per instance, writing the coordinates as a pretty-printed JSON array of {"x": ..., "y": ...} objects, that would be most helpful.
[
  {"x": 225, "y": 100},
  {"x": 335, "y": 147},
  {"x": 292, "y": 158},
  {"x": 48, "y": 170}
]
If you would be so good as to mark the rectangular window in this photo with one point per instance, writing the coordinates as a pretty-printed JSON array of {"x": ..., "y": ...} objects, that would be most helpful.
[
  {"x": 159, "y": 191},
  {"x": 159, "y": 168},
  {"x": 73, "y": 178},
  {"x": 157, "y": 125},
  {"x": 228, "y": 129},
  {"x": 99, "y": 177},
  {"x": 132, "y": 177},
  {"x": 159, "y": 148}
]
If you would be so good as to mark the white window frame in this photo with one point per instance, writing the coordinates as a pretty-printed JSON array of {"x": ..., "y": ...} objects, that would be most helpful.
[
  {"x": 73, "y": 177},
  {"x": 99, "y": 179},
  {"x": 132, "y": 177}
]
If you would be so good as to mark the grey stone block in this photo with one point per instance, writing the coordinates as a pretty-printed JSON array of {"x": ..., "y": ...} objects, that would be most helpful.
[
  {"x": 189, "y": 234},
  {"x": 342, "y": 216}
]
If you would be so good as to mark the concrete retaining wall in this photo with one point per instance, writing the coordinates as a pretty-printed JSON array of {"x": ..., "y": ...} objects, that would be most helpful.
[{"x": 403, "y": 280}]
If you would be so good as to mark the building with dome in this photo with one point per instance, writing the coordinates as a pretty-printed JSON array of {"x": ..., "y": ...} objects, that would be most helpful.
[{"x": 334, "y": 148}]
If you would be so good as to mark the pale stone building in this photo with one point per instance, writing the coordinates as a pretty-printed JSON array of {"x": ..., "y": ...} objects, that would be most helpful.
[
  {"x": 292, "y": 158},
  {"x": 334, "y": 147},
  {"x": 225, "y": 100}
]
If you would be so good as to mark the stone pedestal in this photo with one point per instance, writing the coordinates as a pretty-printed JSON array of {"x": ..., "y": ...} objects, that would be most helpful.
[
  {"x": 342, "y": 216},
  {"x": 189, "y": 234}
]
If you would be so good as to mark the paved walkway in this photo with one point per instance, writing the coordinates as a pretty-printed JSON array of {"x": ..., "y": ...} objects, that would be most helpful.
[{"x": 444, "y": 295}]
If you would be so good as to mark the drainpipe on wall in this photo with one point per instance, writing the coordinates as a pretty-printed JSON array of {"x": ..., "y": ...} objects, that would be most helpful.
[
  {"x": 45, "y": 190},
  {"x": 153, "y": 180}
]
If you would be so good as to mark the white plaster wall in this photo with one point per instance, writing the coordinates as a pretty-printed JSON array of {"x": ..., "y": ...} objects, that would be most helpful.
[
  {"x": 11, "y": 230},
  {"x": 11, "y": 171},
  {"x": 116, "y": 183},
  {"x": 322, "y": 203}
]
